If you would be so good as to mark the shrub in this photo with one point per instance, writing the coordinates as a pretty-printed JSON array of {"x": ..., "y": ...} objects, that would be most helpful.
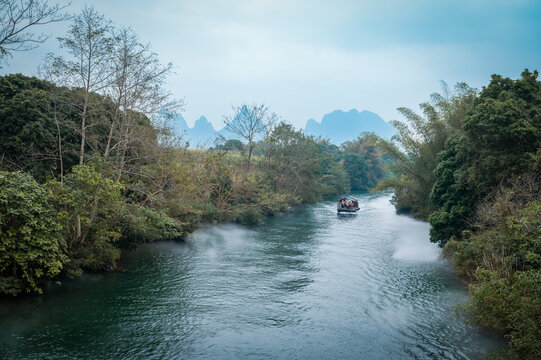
[
  {"x": 511, "y": 305},
  {"x": 31, "y": 248},
  {"x": 89, "y": 208}
]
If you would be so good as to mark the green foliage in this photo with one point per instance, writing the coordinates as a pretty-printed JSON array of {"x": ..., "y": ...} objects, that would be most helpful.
[
  {"x": 31, "y": 249},
  {"x": 231, "y": 145},
  {"x": 499, "y": 142},
  {"x": 503, "y": 131},
  {"x": 453, "y": 198},
  {"x": 510, "y": 239},
  {"x": 418, "y": 143},
  {"x": 524, "y": 232},
  {"x": 357, "y": 170},
  {"x": 89, "y": 208},
  {"x": 363, "y": 161},
  {"x": 28, "y": 130},
  {"x": 293, "y": 164},
  {"x": 142, "y": 224},
  {"x": 511, "y": 305},
  {"x": 504, "y": 261},
  {"x": 334, "y": 179}
]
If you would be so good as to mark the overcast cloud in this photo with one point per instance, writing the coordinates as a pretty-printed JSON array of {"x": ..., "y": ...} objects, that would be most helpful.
[{"x": 307, "y": 58}]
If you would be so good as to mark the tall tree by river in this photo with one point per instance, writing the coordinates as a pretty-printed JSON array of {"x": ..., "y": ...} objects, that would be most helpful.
[{"x": 472, "y": 167}]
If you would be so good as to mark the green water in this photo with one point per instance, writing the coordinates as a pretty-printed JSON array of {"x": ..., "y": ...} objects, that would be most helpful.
[{"x": 305, "y": 285}]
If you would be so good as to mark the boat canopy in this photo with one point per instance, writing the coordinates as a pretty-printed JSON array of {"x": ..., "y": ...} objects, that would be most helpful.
[{"x": 347, "y": 198}]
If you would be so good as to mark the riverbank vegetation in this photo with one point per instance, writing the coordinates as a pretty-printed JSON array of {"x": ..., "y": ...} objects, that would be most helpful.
[
  {"x": 471, "y": 166},
  {"x": 89, "y": 166}
]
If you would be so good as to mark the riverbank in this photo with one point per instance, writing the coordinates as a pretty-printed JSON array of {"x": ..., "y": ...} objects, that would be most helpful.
[
  {"x": 475, "y": 175},
  {"x": 308, "y": 284},
  {"x": 71, "y": 203}
]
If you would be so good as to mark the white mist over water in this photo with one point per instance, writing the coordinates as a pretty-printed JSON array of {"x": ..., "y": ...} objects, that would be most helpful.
[
  {"x": 412, "y": 247},
  {"x": 412, "y": 241},
  {"x": 222, "y": 236},
  {"x": 223, "y": 239}
]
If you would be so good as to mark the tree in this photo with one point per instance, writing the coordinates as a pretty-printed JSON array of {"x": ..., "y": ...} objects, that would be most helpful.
[
  {"x": 499, "y": 142},
  {"x": 363, "y": 162},
  {"x": 418, "y": 143},
  {"x": 453, "y": 198},
  {"x": 248, "y": 122},
  {"x": 293, "y": 163},
  {"x": 503, "y": 131},
  {"x": 18, "y": 17},
  {"x": 358, "y": 171},
  {"x": 31, "y": 248},
  {"x": 89, "y": 208},
  {"x": 230, "y": 145},
  {"x": 34, "y": 120},
  {"x": 137, "y": 88},
  {"x": 90, "y": 44}
]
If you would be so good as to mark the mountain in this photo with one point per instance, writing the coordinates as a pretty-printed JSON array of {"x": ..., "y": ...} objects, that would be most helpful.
[
  {"x": 202, "y": 134},
  {"x": 179, "y": 125},
  {"x": 340, "y": 126}
]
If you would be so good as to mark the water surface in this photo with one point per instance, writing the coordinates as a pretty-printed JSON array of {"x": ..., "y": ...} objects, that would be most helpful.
[{"x": 309, "y": 284}]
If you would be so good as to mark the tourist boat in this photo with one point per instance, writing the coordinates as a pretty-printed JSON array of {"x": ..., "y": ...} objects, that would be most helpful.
[{"x": 347, "y": 204}]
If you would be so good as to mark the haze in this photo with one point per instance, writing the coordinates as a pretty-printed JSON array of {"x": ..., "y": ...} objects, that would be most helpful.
[{"x": 305, "y": 58}]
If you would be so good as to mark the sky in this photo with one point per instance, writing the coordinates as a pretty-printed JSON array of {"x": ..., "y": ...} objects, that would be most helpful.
[{"x": 306, "y": 58}]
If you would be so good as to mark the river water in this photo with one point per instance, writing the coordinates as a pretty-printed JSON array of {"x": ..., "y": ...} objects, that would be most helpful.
[{"x": 309, "y": 284}]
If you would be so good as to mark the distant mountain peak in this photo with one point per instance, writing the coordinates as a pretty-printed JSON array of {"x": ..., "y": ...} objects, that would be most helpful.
[
  {"x": 339, "y": 126},
  {"x": 201, "y": 134}
]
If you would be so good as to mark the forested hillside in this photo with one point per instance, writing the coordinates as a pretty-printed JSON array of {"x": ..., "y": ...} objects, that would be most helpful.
[
  {"x": 90, "y": 167},
  {"x": 471, "y": 165}
]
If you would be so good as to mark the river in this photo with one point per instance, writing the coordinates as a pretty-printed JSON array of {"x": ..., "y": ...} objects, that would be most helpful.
[{"x": 309, "y": 284}]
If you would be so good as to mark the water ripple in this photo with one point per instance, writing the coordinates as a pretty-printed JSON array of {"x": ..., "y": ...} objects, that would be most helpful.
[{"x": 309, "y": 284}]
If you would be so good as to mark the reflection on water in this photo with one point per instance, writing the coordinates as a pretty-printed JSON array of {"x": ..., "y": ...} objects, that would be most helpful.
[{"x": 306, "y": 285}]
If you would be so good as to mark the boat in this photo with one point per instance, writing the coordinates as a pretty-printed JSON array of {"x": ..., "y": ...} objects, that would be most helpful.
[{"x": 351, "y": 205}]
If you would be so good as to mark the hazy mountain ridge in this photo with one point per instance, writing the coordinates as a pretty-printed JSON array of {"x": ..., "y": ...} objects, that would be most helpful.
[
  {"x": 338, "y": 126},
  {"x": 202, "y": 134}
]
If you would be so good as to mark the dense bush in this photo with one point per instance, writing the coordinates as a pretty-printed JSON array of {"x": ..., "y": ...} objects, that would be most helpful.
[
  {"x": 504, "y": 263},
  {"x": 499, "y": 141},
  {"x": 142, "y": 224},
  {"x": 89, "y": 208},
  {"x": 31, "y": 248},
  {"x": 511, "y": 305}
]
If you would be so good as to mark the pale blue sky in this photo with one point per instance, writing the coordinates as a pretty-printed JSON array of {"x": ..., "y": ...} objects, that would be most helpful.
[{"x": 306, "y": 58}]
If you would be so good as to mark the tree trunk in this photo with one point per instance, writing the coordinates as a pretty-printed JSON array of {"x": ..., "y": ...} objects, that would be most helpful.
[
  {"x": 109, "y": 138},
  {"x": 59, "y": 147},
  {"x": 83, "y": 132},
  {"x": 248, "y": 162}
]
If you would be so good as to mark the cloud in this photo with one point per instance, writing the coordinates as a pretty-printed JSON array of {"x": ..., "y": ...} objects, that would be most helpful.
[{"x": 305, "y": 58}]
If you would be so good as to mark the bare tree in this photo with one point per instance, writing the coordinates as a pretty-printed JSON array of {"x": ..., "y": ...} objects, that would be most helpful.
[
  {"x": 90, "y": 43},
  {"x": 138, "y": 87},
  {"x": 249, "y": 121},
  {"x": 18, "y": 17}
]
